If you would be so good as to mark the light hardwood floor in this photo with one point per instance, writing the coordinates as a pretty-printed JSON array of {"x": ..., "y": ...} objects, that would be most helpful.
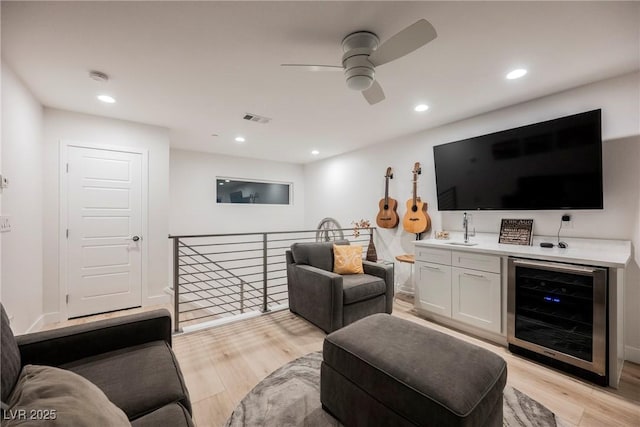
[{"x": 222, "y": 364}]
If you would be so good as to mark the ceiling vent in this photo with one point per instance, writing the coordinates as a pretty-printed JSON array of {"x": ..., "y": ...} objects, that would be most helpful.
[{"x": 256, "y": 118}]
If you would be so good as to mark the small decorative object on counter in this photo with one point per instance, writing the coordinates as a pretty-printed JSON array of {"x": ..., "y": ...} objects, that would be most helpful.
[
  {"x": 442, "y": 235},
  {"x": 516, "y": 231},
  {"x": 372, "y": 255}
]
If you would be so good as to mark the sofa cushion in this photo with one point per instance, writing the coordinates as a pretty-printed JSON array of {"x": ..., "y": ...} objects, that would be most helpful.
[
  {"x": 319, "y": 255},
  {"x": 173, "y": 414},
  {"x": 361, "y": 287},
  {"x": 10, "y": 360},
  {"x": 347, "y": 259},
  {"x": 137, "y": 379},
  {"x": 55, "y": 397}
]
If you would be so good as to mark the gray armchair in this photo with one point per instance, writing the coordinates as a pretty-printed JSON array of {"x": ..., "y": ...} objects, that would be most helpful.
[{"x": 330, "y": 300}]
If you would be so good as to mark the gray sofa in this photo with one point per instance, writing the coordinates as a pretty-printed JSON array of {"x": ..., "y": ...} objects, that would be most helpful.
[
  {"x": 128, "y": 358},
  {"x": 330, "y": 300}
]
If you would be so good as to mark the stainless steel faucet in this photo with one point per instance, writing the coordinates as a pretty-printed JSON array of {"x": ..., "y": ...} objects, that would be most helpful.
[{"x": 465, "y": 224}]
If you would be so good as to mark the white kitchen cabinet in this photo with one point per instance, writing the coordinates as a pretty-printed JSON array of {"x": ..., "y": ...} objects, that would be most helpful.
[
  {"x": 475, "y": 297},
  {"x": 460, "y": 285},
  {"x": 433, "y": 288}
]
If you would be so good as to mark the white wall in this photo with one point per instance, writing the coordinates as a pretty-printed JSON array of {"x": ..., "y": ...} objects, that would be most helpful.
[
  {"x": 348, "y": 187},
  {"x": 82, "y": 128},
  {"x": 22, "y": 150},
  {"x": 193, "y": 195}
]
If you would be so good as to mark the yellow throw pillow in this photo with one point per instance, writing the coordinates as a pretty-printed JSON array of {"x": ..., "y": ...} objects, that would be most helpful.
[{"x": 347, "y": 259}]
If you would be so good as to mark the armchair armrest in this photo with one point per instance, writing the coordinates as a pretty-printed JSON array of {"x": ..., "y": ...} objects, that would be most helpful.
[
  {"x": 319, "y": 297},
  {"x": 385, "y": 272},
  {"x": 63, "y": 345}
]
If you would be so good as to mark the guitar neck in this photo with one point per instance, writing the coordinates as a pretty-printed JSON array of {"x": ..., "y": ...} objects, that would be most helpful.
[
  {"x": 415, "y": 190},
  {"x": 386, "y": 191}
]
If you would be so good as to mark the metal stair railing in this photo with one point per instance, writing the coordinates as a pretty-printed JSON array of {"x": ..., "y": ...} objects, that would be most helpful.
[{"x": 218, "y": 277}]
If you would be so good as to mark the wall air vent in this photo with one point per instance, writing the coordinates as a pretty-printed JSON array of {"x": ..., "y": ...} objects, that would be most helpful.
[{"x": 256, "y": 118}]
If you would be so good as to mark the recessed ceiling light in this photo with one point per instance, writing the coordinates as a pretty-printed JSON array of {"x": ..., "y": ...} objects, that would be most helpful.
[
  {"x": 421, "y": 107},
  {"x": 106, "y": 98},
  {"x": 222, "y": 183},
  {"x": 227, "y": 180},
  {"x": 315, "y": 152},
  {"x": 516, "y": 74},
  {"x": 240, "y": 139}
]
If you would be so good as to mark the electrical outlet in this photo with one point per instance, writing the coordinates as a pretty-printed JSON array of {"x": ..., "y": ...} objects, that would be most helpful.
[{"x": 5, "y": 224}]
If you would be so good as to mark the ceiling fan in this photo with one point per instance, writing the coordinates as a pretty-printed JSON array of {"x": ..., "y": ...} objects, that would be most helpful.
[{"x": 363, "y": 53}]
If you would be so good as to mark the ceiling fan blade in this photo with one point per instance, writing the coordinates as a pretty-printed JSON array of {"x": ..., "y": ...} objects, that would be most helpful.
[
  {"x": 406, "y": 41},
  {"x": 309, "y": 67},
  {"x": 374, "y": 94}
]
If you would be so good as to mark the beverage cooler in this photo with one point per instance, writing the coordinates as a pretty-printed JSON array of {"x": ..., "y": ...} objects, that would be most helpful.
[{"x": 557, "y": 314}]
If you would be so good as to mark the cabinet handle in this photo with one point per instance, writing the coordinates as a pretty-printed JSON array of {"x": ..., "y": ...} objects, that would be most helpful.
[
  {"x": 431, "y": 268},
  {"x": 561, "y": 267},
  {"x": 480, "y": 276}
]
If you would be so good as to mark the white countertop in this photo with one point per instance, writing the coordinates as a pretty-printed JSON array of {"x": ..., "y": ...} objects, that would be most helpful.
[{"x": 598, "y": 252}]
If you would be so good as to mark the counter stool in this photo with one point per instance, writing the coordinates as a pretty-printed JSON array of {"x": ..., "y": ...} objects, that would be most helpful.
[{"x": 408, "y": 259}]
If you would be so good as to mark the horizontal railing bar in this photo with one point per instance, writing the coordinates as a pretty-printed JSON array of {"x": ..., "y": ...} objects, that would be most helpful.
[
  {"x": 212, "y": 297},
  {"x": 227, "y": 252},
  {"x": 189, "y": 236},
  {"x": 223, "y": 243},
  {"x": 226, "y": 260}
]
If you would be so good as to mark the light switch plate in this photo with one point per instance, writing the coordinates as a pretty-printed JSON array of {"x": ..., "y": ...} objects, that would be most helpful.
[{"x": 5, "y": 224}]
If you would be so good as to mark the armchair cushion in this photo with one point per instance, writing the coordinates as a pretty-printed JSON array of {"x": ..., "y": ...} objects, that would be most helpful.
[
  {"x": 137, "y": 379},
  {"x": 63, "y": 398},
  {"x": 347, "y": 259},
  {"x": 361, "y": 287}
]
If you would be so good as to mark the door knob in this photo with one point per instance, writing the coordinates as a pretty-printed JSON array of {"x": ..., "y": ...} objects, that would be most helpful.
[{"x": 135, "y": 238}]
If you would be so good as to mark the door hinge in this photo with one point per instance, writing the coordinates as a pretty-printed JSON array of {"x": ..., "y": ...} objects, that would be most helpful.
[
  {"x": 67, "y": 233},
  {"x": 67, "y": 298},
  {"x": 67, "y": 167}
]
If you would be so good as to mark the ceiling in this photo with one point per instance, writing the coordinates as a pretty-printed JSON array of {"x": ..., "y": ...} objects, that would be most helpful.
[{"x": 198, "y": 67}]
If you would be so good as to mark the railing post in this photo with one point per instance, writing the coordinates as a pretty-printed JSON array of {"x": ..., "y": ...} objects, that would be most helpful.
[
  {"x": 176, "y": 284},
  {"x": 241, "y": 296},
  {"x": 264, "y": 273}
]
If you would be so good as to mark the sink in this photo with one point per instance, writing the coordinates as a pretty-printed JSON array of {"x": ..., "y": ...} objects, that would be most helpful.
[{"x": 462, "y": 243}]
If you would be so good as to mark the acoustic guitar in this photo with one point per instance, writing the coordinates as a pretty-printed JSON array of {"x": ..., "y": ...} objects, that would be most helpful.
[
  {"x": 387, "y": 216},
  {"x": 416, "y": 220}
]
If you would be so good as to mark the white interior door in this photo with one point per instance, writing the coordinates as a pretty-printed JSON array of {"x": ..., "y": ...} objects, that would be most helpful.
[{"x": 104, "y": 222}]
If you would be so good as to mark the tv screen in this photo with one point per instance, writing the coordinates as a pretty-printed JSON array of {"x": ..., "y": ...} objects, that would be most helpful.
[{"x": 555, "y": 164}]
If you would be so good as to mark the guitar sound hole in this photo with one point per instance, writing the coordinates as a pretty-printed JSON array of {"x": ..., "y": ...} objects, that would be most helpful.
[
  {"x": 386, "y": 207},
  {"x": 414, "y": 208}
]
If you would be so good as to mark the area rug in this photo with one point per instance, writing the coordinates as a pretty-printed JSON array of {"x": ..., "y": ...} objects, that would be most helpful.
[{"x": 290, "y": 396}]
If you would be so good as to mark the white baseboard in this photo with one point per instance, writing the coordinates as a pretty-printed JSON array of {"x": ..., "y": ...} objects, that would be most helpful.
[
  {"x": 37, "y": 325},
  {"x": 632, "y": 354},
  {"x": 157, "y": 300}
]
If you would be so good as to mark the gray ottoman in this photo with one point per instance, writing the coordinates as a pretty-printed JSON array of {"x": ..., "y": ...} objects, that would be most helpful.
[{"x": 385, "y": 371}]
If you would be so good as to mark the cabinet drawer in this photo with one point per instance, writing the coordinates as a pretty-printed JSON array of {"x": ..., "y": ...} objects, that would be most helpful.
[
  {"x": 436, "y": 256},
  {"x": 489, "y": 263}
]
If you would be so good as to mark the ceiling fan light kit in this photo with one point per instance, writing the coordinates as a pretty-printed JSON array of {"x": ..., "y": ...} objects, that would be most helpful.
[{"x": 363, "y": 52}]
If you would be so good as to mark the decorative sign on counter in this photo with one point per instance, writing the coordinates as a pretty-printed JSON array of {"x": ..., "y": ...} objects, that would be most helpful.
[{"x": 516, "y": 231}]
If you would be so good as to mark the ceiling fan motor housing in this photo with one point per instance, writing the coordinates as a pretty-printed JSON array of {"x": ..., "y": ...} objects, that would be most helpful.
[{"x": 358, "y": 70}]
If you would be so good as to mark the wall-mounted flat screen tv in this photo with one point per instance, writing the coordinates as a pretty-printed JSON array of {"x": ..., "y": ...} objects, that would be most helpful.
[{"x": 555, "y": 164}]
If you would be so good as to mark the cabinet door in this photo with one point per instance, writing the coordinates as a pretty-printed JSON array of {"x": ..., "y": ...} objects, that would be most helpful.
[
  {"x": 476, "y": 298},
  {"x": 433, "y": 288}
]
